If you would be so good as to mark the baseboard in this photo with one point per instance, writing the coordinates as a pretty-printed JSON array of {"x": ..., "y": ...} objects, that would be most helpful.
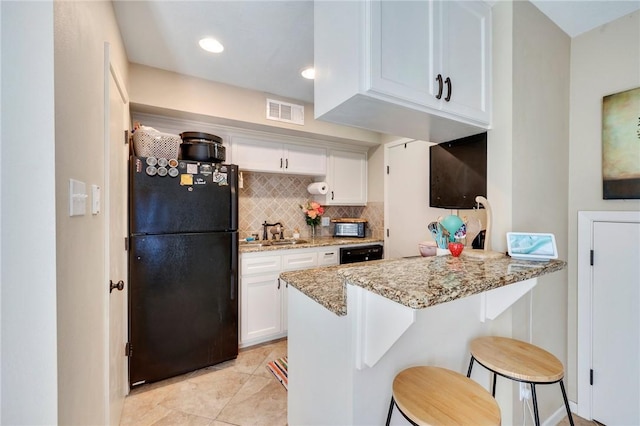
[
  {"x": 560, "y": 414},
  {"x": 261, "y": 340},
  {"x": 573, "y": 407}
]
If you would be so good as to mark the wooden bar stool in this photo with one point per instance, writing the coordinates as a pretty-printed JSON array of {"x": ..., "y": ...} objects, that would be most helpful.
[
  {"x": 519, "y": 361},
  {"x": 437, "y": 396}
]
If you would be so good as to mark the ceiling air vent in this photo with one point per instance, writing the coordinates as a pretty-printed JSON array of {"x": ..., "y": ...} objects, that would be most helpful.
[{"x": 286, "y": 112}]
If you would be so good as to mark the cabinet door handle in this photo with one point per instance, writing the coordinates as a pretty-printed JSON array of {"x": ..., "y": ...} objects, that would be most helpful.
[
  {"x": 286, "y": 162},
  {"x": 439, "y": 80},
  {"x": 278, "y": 283},
  {"x": 332, "y": 195},
  {"x": 280, "y": 162},
  {"x": 448, "y": 83}
]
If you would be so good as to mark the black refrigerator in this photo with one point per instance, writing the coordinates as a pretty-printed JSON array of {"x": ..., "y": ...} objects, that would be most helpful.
[{"x": 183, "y": 267}]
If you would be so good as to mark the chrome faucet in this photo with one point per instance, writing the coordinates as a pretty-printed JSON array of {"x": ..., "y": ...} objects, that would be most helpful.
[{"x": 265, "y": 228}]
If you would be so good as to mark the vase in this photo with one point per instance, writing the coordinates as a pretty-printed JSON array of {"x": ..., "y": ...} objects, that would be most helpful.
[{"x": 312, "y": 231}]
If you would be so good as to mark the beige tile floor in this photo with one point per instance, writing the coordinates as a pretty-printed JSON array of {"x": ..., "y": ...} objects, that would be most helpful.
[
  {"x": 577, "y": 421},
  {"x": 239, "y": 392}
]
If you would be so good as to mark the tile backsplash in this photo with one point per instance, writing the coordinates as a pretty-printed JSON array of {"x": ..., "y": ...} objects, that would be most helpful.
[{"x": 276, "y": 198}]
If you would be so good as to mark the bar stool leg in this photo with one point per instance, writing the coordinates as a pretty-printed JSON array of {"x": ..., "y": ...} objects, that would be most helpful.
[
  {"x": 535, "y": 404},
  {"x": 566, "y": 403},
  {"x": 493, "y": 388},
  {"x": 393, "y": 402}
]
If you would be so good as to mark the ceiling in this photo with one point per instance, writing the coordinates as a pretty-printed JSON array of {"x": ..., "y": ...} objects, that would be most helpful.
[{"x": 268, "y": 42}]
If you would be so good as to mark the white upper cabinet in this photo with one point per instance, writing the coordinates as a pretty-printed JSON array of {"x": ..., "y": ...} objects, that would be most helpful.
[
  {"x": 418, "y": 69},
  {"x": 305, "y": 160},
  {"x": 346, "y": 178},
  {"x": 402, "y": 69},
  {"x": 261, "y": 155},
  {"x": 466, "y": 58}
]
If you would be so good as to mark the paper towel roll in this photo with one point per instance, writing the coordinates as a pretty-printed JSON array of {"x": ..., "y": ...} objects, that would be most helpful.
[{"x": 320, "y": 188}]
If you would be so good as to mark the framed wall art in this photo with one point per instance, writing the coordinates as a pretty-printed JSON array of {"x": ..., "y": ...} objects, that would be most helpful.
[{"x": 621, "y": 145}]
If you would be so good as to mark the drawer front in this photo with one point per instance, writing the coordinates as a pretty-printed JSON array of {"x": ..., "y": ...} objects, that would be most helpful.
[
  {"x": 328, "y": 257},
  {"x": 291, "y": 262},
  {"x": 259, "y": 265}
]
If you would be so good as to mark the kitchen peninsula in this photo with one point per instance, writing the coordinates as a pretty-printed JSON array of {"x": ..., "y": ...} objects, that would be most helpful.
[{"x": 352, "y": 328}]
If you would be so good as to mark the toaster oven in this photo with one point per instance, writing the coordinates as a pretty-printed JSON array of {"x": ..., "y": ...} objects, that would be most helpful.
[{"x": 349, "y": 228}]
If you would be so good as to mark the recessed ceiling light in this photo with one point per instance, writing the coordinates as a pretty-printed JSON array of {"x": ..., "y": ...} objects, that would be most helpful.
[
  {"x": 309, "y": 73},
  {"x": 211, "y": 45}
]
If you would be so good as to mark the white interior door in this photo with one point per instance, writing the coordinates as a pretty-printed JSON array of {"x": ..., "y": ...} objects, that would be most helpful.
[
  {"x": 616, "y": 323},
  {"x": 116, "y": 159},
  {"x": 407, "y": 197}
]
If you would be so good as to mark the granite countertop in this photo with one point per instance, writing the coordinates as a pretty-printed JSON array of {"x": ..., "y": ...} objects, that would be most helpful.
[
  {"x": 417, "y": 282},
  {"x": 257, "y": 246},
  {"x": 323, "y": 285}
]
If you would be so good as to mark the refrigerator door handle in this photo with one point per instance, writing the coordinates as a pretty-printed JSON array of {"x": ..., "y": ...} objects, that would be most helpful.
[
  {"x": 233, "y": 285},
  {"x": 234, "y": 263}
]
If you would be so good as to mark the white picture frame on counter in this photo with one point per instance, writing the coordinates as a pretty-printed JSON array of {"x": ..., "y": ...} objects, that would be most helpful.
[{"x": 532, "y": 246}]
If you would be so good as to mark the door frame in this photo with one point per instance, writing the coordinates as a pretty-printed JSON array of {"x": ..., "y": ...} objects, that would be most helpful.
[
  {"x": 110, "y": 70},
  {"x": 586, "y": 221}
]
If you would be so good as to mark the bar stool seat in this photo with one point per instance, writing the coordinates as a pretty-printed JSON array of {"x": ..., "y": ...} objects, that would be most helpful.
[
  {"x": 436, "y": 396},
  {"x": 519, "y": 361}
]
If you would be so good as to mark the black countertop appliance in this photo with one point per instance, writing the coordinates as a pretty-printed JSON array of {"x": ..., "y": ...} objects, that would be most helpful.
[
  {"x": 198, "y": 146},
  {"x": 183, "y": 266}
]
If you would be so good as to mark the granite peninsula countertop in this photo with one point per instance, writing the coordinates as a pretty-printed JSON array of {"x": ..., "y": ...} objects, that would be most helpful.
[
  {"x": 417, "y": 282},
  {"x": 258, "y": 246}
]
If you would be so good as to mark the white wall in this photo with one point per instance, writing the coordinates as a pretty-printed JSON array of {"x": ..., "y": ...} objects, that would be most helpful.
[
  {"x": 375, "y": 174},
  {"x": 1, "y": 103},
  {"x": 499, "y": 147},
  {"x": 28, "y": 262},
  {"x": 604, "y": 61},
  {"x": 540, "y": 175},
  {"x": 527, "y": 155},
  {"x": 81, "y": 29},
  {"x": 203, "y": 100}
]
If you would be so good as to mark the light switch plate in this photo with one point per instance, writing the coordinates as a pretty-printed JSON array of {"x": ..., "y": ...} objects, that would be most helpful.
[
  {"x": 95, "y": 199},
  {"x": 326, "y": 221},
  {"x": 77, "y": 198}
]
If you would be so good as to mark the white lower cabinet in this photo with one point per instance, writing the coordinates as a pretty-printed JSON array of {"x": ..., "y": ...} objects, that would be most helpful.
[
  {"x": 263, "y": 297},
  {"x": 260, "y": 298},
  {"x": 294, "y": 261},
  {"x": 329, "y": 256}
]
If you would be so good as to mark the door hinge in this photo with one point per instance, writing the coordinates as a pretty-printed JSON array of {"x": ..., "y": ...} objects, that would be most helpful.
[
  {"x": 591, "y": 258},
  {"x": 128, "y": 349},
  {"x": 126, "y": 137},
  {"x": 387, "y": 169},
  {"x": 591, "y": 377},
  {"x": 126, "y": 244}
]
